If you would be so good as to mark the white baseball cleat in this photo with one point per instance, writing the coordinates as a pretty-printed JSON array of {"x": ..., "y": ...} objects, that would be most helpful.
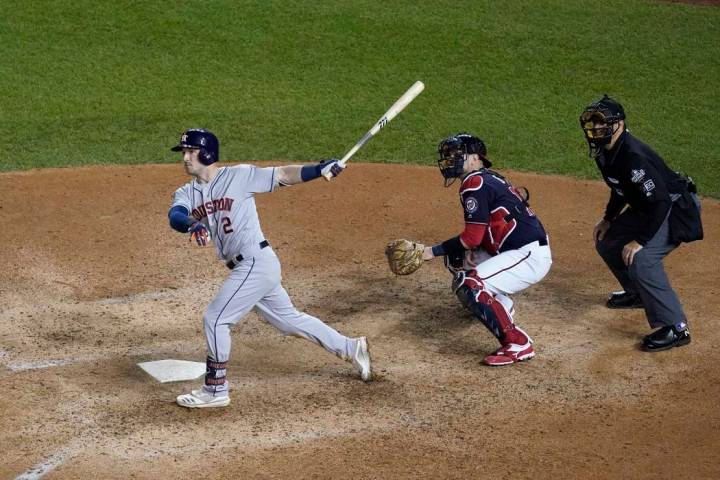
[
  {"x": 361, "y": 359},
  {"x": 201, "y": 399}
]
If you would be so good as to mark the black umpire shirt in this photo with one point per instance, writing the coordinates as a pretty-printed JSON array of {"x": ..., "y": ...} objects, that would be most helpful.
[{"x": 640, "y": 178}]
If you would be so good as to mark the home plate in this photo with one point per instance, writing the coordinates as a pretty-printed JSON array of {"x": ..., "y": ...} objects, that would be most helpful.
[{"x": 173, "y": 370}]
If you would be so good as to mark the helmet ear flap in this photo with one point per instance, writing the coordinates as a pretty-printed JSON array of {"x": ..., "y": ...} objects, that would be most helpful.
[{"x": 205, "y": 157}]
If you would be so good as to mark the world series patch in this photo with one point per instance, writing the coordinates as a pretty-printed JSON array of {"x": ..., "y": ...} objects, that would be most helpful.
[
  {"x": 637, "y": 175},
  {"x": 471, "y": 205}
]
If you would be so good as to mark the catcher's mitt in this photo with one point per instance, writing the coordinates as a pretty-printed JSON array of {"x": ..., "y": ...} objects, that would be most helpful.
[{"x": 404, "y": 256}]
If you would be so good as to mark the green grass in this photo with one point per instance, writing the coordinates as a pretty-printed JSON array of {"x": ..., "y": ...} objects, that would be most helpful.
[{"x": 86, "y": 82}]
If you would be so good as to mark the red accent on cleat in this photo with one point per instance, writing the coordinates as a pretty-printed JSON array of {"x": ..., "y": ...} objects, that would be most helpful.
[{"x": 509, "y": 354}]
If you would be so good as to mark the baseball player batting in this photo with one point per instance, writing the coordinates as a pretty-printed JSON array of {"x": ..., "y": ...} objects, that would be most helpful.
[
  {"x": 502, "y": 250},
  {"x": 219, "y": 205}
]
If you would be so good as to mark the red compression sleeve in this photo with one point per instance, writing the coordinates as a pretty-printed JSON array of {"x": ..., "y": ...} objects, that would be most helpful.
[{"x": 473, "y": 234}]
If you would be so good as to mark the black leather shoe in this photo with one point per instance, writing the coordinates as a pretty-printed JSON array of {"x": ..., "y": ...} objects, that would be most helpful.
[
  {"x": 624, "y": 300},
  {"x": 665, "y": 338}
]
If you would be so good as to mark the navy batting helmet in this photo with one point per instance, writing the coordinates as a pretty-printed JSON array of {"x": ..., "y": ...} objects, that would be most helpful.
[
  {"x": 203, "y": 140},
  {"x": 453, "y": 151}
]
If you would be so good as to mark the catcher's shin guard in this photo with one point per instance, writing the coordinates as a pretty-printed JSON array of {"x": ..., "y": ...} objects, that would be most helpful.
[{"x": 474, "y": 296}]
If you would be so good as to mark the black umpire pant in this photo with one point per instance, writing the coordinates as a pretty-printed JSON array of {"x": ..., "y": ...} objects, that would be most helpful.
[{"x": 646, "y": 276}]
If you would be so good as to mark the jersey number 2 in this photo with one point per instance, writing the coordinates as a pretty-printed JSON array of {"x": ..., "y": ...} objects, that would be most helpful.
[{"x": 227, "y": 228}]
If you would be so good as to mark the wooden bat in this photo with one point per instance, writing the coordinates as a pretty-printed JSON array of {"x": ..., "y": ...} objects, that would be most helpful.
[{"x": 392, "y": 112}]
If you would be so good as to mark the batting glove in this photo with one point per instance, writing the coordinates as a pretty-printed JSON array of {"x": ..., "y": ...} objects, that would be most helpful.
[
  {"x": 199, "y": 233},
  {"x": 332, "y": 166}
]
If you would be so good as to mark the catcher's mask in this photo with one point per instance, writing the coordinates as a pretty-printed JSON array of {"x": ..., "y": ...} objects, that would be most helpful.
[
  {"x": 454, "y": 150},
  {"x": 203, "y": 140},
  {"x": 599, "y": 121}
]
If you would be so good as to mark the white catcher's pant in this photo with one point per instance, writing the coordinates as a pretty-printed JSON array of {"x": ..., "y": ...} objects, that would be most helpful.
[
  {"x": 255, "y": 282},
  {"x": 510, "y": 272}
]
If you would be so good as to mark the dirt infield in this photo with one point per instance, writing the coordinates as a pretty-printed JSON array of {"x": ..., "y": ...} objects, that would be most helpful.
[{"x": 95, "y": 282}]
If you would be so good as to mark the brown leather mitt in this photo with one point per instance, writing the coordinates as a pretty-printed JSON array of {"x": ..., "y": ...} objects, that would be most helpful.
[{"x": 404, "y": 256}]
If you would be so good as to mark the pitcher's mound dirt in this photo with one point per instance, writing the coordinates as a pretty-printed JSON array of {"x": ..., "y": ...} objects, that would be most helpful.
[{"x": 95, "y": 281}]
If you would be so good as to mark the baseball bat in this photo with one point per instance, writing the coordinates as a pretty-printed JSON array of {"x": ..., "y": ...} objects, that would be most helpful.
[{"x": 392, "y": 112}]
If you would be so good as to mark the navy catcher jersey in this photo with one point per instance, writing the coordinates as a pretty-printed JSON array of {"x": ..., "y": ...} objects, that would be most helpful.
[{"x": 489, "y": 199}]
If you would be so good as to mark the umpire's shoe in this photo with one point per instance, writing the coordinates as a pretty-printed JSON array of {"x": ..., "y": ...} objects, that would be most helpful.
[
  {"x": 624, "y": 300},
  {"x": 665, "y": 338}
]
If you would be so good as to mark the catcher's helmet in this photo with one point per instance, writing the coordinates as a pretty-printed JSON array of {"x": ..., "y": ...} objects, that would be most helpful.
[
  {"x": 203, "y": 140},
  {"x": 453, "y": 151},
  {"x": 598, "y": 121}
]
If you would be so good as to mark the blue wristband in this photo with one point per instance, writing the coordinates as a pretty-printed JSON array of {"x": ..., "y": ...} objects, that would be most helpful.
[
  {"x": 310, "y": 172},
  {"x": 179, "y": 219},
  {"x": 453, "y": 247},
  {"x": 438, "y": 250}
]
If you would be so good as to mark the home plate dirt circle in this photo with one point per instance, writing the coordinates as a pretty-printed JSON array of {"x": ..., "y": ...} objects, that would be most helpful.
[{"x": 95, "y": 281}]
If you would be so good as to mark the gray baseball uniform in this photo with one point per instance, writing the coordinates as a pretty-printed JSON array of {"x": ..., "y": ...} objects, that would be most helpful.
[{"x": 226, "y": 206}]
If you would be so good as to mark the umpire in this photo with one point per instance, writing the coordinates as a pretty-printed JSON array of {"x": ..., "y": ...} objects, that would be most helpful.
[{"x": 662, "y": 212}]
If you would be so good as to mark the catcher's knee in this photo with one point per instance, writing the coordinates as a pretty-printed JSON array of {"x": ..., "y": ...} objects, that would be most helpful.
[
  {"x": 474, "y": 296},
  {"x": 465, "y": 295},
  {"x": 467, "y": 286},
  {"x": 467, "y": 278}
]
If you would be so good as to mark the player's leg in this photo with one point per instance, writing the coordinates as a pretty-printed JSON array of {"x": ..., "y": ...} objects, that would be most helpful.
[
  {"x": 245, "y": 286},
  {"x": 662, "y": 305},
  {"x": 507, "y": 303},
  {"x": 473, "y": 293},
  {"x": 484, "y": 291},
  {"x": 515, "y": 270},
  {"x": 239, "y": 293},
  {"x": 277, "y": 308},
  {"x": 622, "y": 230}
]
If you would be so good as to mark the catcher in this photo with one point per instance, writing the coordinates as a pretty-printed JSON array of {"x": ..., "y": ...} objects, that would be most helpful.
[{"x": 502, "y": 250}]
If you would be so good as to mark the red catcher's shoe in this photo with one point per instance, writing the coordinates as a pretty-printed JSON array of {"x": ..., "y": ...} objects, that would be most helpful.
[{"x": 509, "y": 354}]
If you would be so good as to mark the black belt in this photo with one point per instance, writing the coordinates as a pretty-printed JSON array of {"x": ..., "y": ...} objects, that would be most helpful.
[
  {"x": 543, "y": 242},
  {"x": 234, "y": 262}
]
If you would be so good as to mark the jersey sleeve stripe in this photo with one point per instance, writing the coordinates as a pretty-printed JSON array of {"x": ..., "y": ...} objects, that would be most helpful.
[{"x": 474, "y": 182}]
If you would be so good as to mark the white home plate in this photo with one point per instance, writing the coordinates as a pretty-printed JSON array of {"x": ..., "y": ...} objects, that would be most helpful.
[{"x": 173, "y": 370}]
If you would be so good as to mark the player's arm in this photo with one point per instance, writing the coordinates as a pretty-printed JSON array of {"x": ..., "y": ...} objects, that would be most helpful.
[
  {"x": 477, "y": 215},
  {"x": 294, "y": 174},
  {"x": 615, "y": 204},
  {"x": 470, "y": 238},
  {"x": 181, "y": 221}
]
